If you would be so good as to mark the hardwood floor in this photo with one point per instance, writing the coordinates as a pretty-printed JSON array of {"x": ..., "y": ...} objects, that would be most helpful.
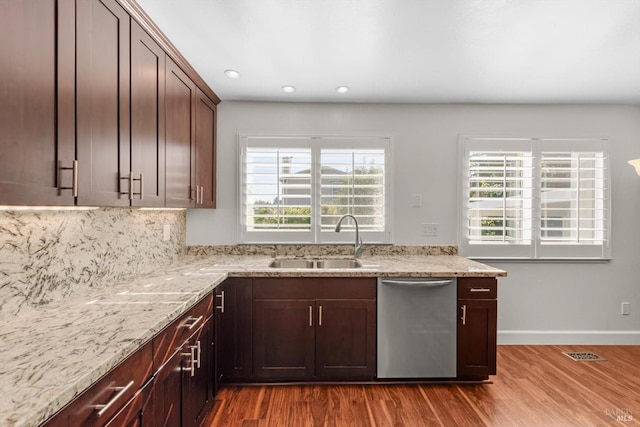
[{"x": 535, "y": 386}]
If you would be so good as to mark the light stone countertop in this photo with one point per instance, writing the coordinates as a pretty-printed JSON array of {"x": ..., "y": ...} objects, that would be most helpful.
[
  {"x": 51, "y": 354},
  {"x": 372, "y": 266}
]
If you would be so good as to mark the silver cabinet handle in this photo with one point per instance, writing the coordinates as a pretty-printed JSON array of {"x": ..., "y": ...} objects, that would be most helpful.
[
  {"x": 221, "y": 306},
  {"x": 310, "y": 316},
  {"x": 464, "y": 315},
  {"x": 192, "y": 360},
  {"x": 74, "y": 185},
  {"x": 195, "y": 322},
  {"x": 199, "y": 349},
  {"x": 120, "y": 392},
  {"x": 141, "y": 193},
  {"x": 320, "y": 316},
  {"x": 201, "y": 194},
  {"x": 479, "y": 290},
  {"x": 75, "y": 178},
  {"x": 130, "y": 179}
]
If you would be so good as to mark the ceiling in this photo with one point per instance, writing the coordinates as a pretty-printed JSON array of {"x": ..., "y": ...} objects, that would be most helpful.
[{"x": 418, "y": 51}]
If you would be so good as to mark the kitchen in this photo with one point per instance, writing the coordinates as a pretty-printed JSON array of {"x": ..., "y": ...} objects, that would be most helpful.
[{"x": 539, "y": 302}]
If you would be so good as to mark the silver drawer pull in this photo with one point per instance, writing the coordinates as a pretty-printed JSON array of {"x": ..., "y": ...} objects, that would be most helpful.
[
  {"x": 464, "y": 315},
  {"x": 121, "y": 391},
  {"x": 195, "y": 322},
  {"x": 479, "y": 290}
]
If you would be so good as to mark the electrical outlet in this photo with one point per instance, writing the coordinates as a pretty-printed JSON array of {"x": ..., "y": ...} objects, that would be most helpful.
[
  {"x": 430, "y": 229},
  {"x": 625, "y": 308},
  {"x": 166, "y": 232}
]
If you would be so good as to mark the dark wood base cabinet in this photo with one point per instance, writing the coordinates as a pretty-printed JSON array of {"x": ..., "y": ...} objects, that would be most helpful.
[
  {"x": 477, "y": 324},
  {"x": 167, "y": 382},
  {"x": 296, "y": 329},
  {"x": 234, "y": 330}
]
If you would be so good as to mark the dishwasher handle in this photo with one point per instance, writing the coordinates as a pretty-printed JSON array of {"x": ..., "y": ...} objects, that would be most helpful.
[{"x": 417, "y": 284}]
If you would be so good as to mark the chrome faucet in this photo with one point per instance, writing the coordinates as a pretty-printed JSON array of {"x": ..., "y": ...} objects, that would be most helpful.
[{"x": 358, "y": 246}]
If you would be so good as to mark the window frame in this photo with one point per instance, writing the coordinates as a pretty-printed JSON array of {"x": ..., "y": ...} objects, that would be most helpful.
[
  {"x": 536, "y": 249},
  {"x": 316, "y": 142}
]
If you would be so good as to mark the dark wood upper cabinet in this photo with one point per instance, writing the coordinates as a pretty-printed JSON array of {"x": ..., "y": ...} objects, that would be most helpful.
[
  {"x": 97, "y": 110},
  {"x": 36, "y": 112},
  {"x": 180, "y": 141},
  {"x": 205, "y": 145},
  {"x": 147, "y": 119},
  {"x": 102, "y": 103}
]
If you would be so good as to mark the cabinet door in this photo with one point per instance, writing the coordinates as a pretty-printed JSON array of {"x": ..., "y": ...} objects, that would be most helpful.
[
  {"x": 180, "y": 151},
  {"x": 477, "y": 323},
  {"x": 36, "y": 117},
  {"x": 234, "y": 329},
  {"x": 284, "y": 339},
  {"x": 205, "y": 151},
  {"x": 147, "y": 119},
  {"x": 346, "y": 339},
  {"x": 167, "y": 392},
  {"x": 196, "y": 391},
  {"x": 102, "y": 102}
]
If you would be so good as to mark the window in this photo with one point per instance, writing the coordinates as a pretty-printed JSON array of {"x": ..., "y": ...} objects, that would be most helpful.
[
  {"x": 534, "y": 198},
  {"x": 295, "y": 189}
]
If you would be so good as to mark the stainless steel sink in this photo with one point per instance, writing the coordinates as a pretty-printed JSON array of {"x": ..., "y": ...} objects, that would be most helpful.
[
  {"x": 315, "y": 263},
  {"x": 291, "y": 263},
  {"x": 338, "y": 263}
]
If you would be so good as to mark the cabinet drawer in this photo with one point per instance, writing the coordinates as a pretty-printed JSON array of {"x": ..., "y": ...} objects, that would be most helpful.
[
  {"x": 315, "y": 288},
  {"x": 173, "y": 336},
  {"x": 102, "y": 400},
  {"x": 477, "y": 288}
]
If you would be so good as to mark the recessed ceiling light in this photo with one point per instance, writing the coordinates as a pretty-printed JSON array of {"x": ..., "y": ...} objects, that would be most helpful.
[
  {"x": 288, "y": 88},
  {"x": 232, "y": 74},
  {"x": 342, "y": 89}
]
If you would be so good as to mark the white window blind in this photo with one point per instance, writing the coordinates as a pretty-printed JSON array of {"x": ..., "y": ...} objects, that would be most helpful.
[
  {"x": 278, "y": 188},
  {"x": 535, "y": 198},
  {"x": 352, "y": 181},
  {"x": 295, "y": 189}
]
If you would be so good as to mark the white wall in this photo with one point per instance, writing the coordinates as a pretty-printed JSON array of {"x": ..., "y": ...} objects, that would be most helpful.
[{"x": 538, "y": 302}]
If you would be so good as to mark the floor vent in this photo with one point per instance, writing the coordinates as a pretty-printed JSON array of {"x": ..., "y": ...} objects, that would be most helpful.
[{"x": 583, "y": 356}]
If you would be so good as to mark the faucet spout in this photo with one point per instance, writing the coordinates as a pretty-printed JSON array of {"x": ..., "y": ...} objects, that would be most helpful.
[{"x": 357, "y": 249}]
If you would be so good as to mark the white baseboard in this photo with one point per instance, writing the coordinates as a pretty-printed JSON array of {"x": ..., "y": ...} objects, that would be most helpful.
[{"x": 568, "y": 337}]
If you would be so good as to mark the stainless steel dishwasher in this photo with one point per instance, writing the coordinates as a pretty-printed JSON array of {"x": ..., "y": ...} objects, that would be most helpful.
[{"x": 417, "y": 327}]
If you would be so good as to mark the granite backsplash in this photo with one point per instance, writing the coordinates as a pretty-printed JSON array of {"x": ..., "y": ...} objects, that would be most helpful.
[
  {"x": 281, "y": 250},
  {"x": 46, "y": 254}
]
